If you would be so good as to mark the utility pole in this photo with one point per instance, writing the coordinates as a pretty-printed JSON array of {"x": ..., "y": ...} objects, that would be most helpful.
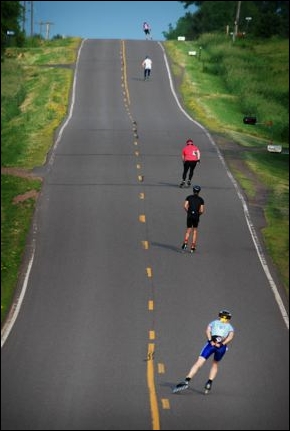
[
  {"x": 235, "y": 32},
  {"x": 31, "y": 19},
  {"x": 23, "y": 16},
  {"x": 40, "y": 27},
  {"x": 48, "y": 24}
]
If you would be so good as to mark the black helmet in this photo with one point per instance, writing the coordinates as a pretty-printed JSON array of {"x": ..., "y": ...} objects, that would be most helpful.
[
  {"x": 225, "y": 313},
  {"x": 196, "y": 189}
]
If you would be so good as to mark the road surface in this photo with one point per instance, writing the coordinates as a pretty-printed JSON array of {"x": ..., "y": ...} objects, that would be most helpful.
[{"x": 113, "y": 314}]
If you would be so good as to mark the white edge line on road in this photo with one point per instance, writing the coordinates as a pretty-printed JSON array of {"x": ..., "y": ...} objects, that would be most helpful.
[{"x": 5, "y": 331}]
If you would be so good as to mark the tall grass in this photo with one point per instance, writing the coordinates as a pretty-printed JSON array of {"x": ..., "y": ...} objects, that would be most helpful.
[
  {"x": 34, "y": 99},
  {"x": 259, "y": 77},
  {"x": 254, "y": 74}
]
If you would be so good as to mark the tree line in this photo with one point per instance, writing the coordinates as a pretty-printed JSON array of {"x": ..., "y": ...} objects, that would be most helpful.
[
  {"x": 259, "y": 19},
  {"x": 12, "y": 20},
  {"x": 11, "y": 15}
]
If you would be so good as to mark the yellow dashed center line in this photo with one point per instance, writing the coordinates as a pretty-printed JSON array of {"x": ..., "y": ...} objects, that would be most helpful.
[
  {"x": 165, "y": 403},
  {"x": 161, "y": 368},
  {"x": 149, "y": 272},
  {"x": 151, "y": 386},
  {"x": 125, "y": 72},
  {"x": 142, "y": 218},
  {"x": 145, "y": 245}
]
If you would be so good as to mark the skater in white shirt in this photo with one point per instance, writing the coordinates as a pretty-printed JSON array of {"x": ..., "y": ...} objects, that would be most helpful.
[{"x": 147, "y": 66}]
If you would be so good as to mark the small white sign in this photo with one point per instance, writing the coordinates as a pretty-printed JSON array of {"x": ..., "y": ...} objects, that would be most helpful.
[
  {"x": 191, "y": 52},
  {"x": 181, "y": 38},
  {"x": 274, "y": 148}
]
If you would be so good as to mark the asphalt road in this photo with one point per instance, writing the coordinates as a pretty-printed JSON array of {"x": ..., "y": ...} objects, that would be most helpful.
[{"x": 113, "y": 314}]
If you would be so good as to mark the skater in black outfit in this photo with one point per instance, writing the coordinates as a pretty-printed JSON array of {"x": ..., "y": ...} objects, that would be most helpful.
[{"x": 194, "y": 207}]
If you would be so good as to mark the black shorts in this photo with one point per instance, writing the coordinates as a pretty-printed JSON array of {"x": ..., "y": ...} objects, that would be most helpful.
[
  {"x": 146, "y": 31},
  {"x": 192, "y": 221}
]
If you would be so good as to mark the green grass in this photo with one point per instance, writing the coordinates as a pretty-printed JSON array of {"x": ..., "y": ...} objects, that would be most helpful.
[
  {"x": 228, "y": 81},
  {"x": 15, "y": 223},
  {"x": 34, "y": 100}
]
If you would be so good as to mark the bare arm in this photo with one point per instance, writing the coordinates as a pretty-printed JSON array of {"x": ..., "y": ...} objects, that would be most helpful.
[
  {"x": 208, "y": 333},
  {"x": 229, "y": 338}
]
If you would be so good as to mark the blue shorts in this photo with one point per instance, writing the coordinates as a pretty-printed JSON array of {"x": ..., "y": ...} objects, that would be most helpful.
[{"x": 218, "y": 352}]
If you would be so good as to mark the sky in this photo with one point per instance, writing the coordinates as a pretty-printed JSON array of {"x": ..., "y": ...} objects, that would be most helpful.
[{"x": 102, "y": 19}]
